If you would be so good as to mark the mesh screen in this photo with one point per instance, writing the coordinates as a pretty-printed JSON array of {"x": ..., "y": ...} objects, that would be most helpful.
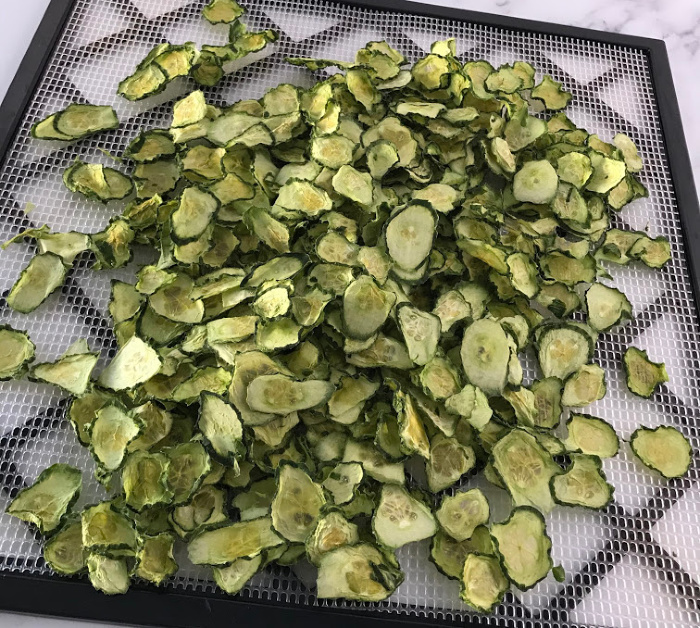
[{"x": 635, "y": 564}]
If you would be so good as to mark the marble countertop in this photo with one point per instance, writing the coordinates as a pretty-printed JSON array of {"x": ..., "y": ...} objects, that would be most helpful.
[{"x": 678, "y": 25}]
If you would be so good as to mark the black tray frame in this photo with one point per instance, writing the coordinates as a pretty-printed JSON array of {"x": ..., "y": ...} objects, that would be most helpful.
[{"x": 144, "y": 605}]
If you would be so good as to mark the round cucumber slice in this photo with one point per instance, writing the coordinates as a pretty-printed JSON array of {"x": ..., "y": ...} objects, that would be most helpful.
[
  {"x": 663, "y": 449},
  {"x": 536, "y": 182},
  {"x": 461, "y": 513},
  {"x": 485, "y": 354},
  {"x": 401, "y": 518}
]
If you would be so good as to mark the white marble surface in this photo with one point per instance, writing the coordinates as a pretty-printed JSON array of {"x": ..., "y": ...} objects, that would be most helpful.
[{"x": 676, "y": 22}]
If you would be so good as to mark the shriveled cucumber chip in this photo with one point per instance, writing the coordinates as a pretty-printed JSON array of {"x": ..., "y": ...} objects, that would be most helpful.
[
  {"x": 224, "y": 545},
  {"x": 189, "y": 463},
  {"x": 584, "y": 386},
  {"x": 279, "y": 394},
  {"x": 222, "y": 11},
  {"x": 365, "y": 307},
  {"x": 110, "y": 434},
  {"x": 332, "y": 531},
  {"x": 357, "y": 572},
  {"x": 582, "y": 484},
  {"x": 483, "y": 582},
  {"x": 297, "y": 504},
  {"x": 64, "y": 551},
  {"x": 547, "y": 397},
  {"x": 144, "y": 479},
  {"x": 71, "y": 372},
  {"x": 592, "y": 436},
  {"x": 154, "y": 560},
  {"x": 535, "y": 182},
  {"x": 375, "y": 465},
  {"x": 523, "y": 547},
  {"x": 525, "y": 468},
  {"x": 606, "y": 307},
  {"x": 551, "y": 93},
  {"x": 106, "y": 530},
  {"x": 485, "y": 356},
  {"x": 461, "y": 513},
  {"x": 401, "y": 518},
  {"x": 663, "y": 449},
  {"x": 78, "y": 121},
  {"x": 449, "y": 555},
  {"x": 44, "y": 273},
  {"x": 16, "y": 351},
  {"x": 46, "y": 502},
  {"x": 563, "y": 349},
  {"x": 643, "y": 375},
  {"x": 134, "y": 363},
  {"x": 409, "y": 235},
  {"x": 108, "y": 575},
  {"x": 232, "y": 578}
]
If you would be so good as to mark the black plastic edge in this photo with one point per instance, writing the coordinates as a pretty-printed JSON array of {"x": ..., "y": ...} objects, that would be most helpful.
[
  {"x": 47, "y": 595},
  {"x": 30, "y": 70},
  {"x": 76, "y": 599},
  {"x": 678, "y": 159}
]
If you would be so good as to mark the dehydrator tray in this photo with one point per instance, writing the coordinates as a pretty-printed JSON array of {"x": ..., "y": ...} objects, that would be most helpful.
[{"x": 636, "y": 564}]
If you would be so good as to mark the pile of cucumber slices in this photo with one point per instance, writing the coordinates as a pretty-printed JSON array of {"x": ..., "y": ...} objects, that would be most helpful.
[{"x": 329, "y": 342}]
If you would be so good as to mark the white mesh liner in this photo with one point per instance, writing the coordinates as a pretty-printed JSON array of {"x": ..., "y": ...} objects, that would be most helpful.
[{"x": 622, "y": 568}]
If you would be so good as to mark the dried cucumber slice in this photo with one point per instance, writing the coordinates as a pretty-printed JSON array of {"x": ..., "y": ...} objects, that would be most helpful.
[
  {"x": 643, "y": 375},
  {"x": 410, "y": 234},
  {"x": 134, "y": 363},
  {"x": 279, "y": 394},
  {"x": 343, "y": 480},
  {"x": 357, "y": 572},
  {"x": 401, "y": 518},
  {"x": 76, "y": 122},
  {"x": 224, "y": 545},
  {"x": 154, "y": 560},
  {"x": 448, "y": 555},
  {"x": 563, "y": 349},
  {"x": 71, "y": 372},
  {"x": 535, "y": 182},
  {"x": 110, "y": 434},
  {"x": 64, "y": 551},
  {"x": 584, "y": 386},
  {"x": 144, "y": 479},
  {"x": 332, "y": 531},
  {"x": 232, "y": 578},
  {"x": 523, "y": 547},
  {"x": 46, "y": 502},
  {"x": 582, "y": 484},
  {"x": 483, "y": 582},
  {"x": 486, "y": 354},
  {"x": 16, "y": 351},
  {"x": 525, "y": 468},
  {"x": 44, "y": 273},
  {"x": 460, "y": 514},
  {"x": 606, "y": 307},
  {"x": 106, "y": 530},
  {"x": 219, "y": 424},
  {"x": 297, "y": 504},
  {"x": 449, "y": 461},
  {"x": 365, "y": 307},
  {"x": 97, "y": 182},
  {"x": 108, "y": 575},
  {"x": 222, "y": 11},
  {"x": 663, "y": 449},
  {"x": 551, "y": 93},
  {"x": 592, "y": 436}
]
